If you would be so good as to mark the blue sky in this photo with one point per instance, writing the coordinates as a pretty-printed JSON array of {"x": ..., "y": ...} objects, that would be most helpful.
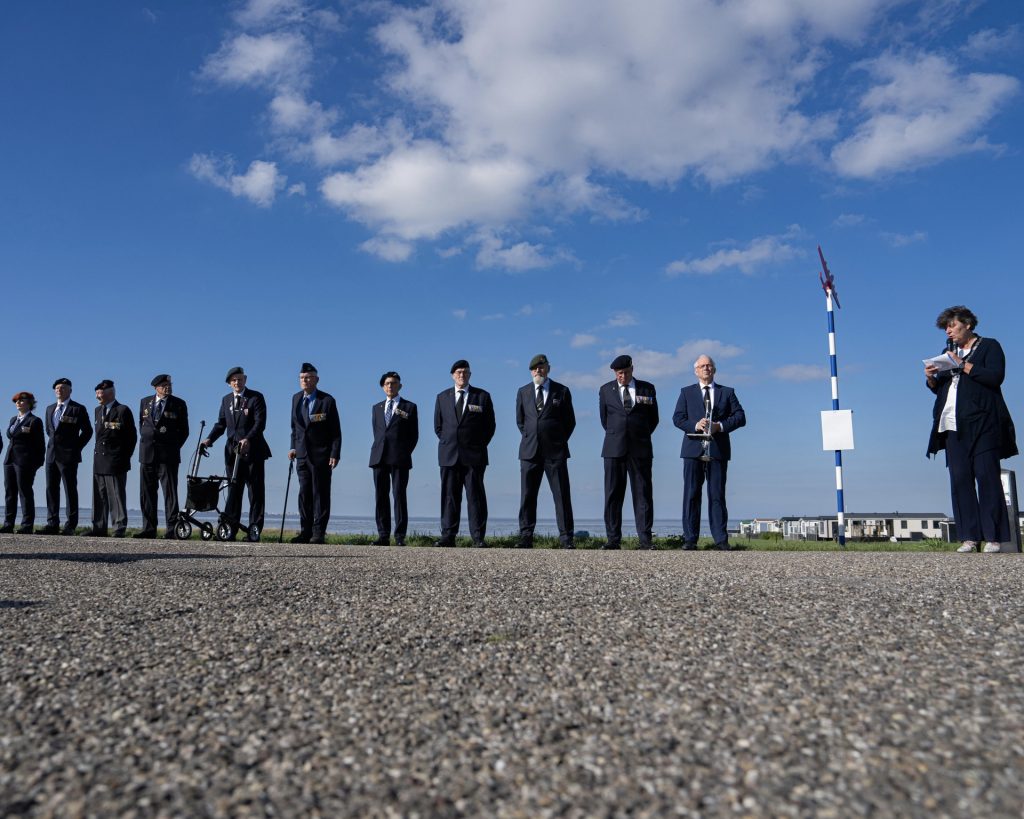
[{"x": 188, "y": 186}]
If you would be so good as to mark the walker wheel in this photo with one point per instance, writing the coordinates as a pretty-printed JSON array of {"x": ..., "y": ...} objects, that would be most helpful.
[
  {"x": 183, "y": 530},
  {"x": 206, "y": 531},
  {"x": 225, "y": 531}
]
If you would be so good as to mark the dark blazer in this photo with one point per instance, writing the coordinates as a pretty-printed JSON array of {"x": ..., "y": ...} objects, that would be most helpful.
[
  {"x": 27, "y": 446},
  {"x": 115, "y": 440},
  {"x": 982, "y": 418},
  {"x": 65, "y": 445},
  {"x": 463, "y": 442},
  {"x": 316, "y": 436},
  {"x": 250, "y": 424},
  {"x": 545, "y": 434},
  {"x": 161, "y": 443},
  {"x": 393, "y": 444},
  {"x": 628, "y": 433},
  {"x": 726, "y": 411}
]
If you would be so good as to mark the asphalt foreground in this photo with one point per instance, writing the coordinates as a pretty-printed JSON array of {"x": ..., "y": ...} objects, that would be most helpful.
[{"x": 202, "y": 679}]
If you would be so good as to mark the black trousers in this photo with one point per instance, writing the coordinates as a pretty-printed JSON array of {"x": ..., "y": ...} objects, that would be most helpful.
[
  {"x": 314, "y": 496},
  {"x": 57, "y": 474},
  {"x": 530, "y": 474},
  {"x": 18, "y": 482},
  {"x": 694, "y": 472},
  {"x": 980, "y": 513},
  {"x": 638, "y": 471},
  {"x": 109, "y": 498},
  {"x": 166, "y": 475},
  {"x": 453, "y": 480},
  {"x": 252, "y": 476},
  {"x": 388, "y": 480}
]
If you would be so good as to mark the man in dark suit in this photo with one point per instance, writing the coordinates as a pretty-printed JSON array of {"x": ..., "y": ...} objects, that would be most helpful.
[
  {"x": 464, "y": 423},
  {"x": 629, "y": 414},
  {"x": 163, "y": 430},
  {"x": 546, "y": 420},
  {"x": 316, "y": 448},
  {"x": 706, "y": 408},
  {"x": 26, "y": 449},
  {"x": 116, "y": 438},
  {"x": 396, "y": 431},
  {"x": 68, "y": 431},
  {"x": 243, "y": 417}
]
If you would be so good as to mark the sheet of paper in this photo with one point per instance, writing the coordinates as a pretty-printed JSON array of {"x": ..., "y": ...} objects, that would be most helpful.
[{"x": 941, "y": 362}]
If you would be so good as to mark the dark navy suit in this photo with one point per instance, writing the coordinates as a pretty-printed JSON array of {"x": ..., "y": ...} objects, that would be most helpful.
[
  {"x": 160, "y": 443},
  {"x": 115, "y": 442},
  {"x": 628, "y": 453},
  {"x": 316, "y": 438},
  {"x": 26, "y": 449},
  {"x": 725, "y": 410},
  {"x": 63, "y": 455},
  {"x": 544, "y": 450},
  {"x": 462, "y": 456},
  {"x": 391, "y": 460},
  {"x": 248, "y": 422}
]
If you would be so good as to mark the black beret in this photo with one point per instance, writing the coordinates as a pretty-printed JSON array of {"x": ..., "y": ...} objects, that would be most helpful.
[
  {"x": 538, "y": 360},
  {"x": 233, "y": 372},
  {"x": 105, "y": 384},
  {"x": 390, "y": 374},
  {"x": 61, "y": 381},
  {"x": 622, "y": 362},
  {"x": 307, "y": 368},
  {"x": 461, "y": 364},
  {"x": 23, "y": 394},
  {"x": 159, "y": 379}
]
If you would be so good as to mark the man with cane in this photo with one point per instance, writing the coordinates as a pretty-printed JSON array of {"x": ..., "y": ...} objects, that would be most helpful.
[{"x": 316, "y": 448}]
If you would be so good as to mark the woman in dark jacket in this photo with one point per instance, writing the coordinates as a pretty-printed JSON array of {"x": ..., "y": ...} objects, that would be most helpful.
[
  {"x": 971, "y": 422},
  {"x": 22, "y": 460}
]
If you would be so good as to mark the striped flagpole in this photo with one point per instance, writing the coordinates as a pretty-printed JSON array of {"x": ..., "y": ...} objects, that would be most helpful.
[{"x": 828, "y": 284}]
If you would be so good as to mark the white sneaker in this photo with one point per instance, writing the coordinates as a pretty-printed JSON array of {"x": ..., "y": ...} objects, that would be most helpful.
[
  {"x": 990, "y": 547},
  {"x": 969, "y": 546}
]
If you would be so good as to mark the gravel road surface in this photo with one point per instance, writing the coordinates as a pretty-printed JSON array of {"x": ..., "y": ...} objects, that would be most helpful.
[{"x": 164, "y": 679}]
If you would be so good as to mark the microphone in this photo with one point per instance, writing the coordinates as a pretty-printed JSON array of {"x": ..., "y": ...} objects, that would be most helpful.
[{"x": 950, "y": 345}]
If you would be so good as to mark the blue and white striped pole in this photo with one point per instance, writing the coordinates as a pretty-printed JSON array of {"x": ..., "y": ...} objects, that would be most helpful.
[{"x": 829, "y": 286}]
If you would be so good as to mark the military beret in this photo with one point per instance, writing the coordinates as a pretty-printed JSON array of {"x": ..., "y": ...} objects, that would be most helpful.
[
  {"x": 390, "y": 374},
  {"x": 23, "y": 394},
  {"x": 232, "y": 373},
  {"x": 61, "y": 381},
  {"x": 105, "y": 384},
  {"x": 621, "y": 362},
  {"x": 159, "y": 379},
  {"x": 461, "y": 364},
  {"x": 538, "y": 360},
  {"x": 307, "y": 368}
]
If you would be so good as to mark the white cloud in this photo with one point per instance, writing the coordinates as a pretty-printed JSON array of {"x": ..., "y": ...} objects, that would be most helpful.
[
  {"x": 919, "y": 111},
  {"x": 801, "y": 372},
  {"x": 290, "y": 111},
  {"x": 279, "y": 60},
  {"x": 622, "y": 319},
  {"x": 583, "y": 340},
  {"x": 298, "y": 189},
  {"x": 390, "y": 250},
  {"x": 849, "y": 220},
  {"x": 259, "y": 184},
  {"x": 988, "y": 42},
  {"x": 763, "y": 250},
  {"x": 904, "y": 239},
  {"x": 653, "y": 364},
  {"x": 515, "y": 258},
  {"x": 460, "y": 314}
]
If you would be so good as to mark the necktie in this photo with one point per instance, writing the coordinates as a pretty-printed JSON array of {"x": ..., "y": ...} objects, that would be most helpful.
[
  {"x": 238, "y": 404},
  {"x": 627, "y": 399},
  {"x": 387, "y": 412},
  {"x": 540, "y": 397},
  {"x": 707, "y": 399},
  {"x": 57, "y": 415},
  {"x": 460, "y": 404},
  {"x": 158, "y": 410},
  {"x": 309, "y": 404}
]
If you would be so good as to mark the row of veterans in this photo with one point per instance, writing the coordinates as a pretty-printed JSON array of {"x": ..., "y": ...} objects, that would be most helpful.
[{"x": 464, "y": 423}]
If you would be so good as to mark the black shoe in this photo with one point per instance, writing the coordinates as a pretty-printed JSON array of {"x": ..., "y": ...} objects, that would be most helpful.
[
  {"x": 525, "y": 543},
  {"x": 94, "y": 532},
  {"x": 611, "y": 546},
  {"x": 7, "y": 529},
  {"x": 690, "y": 547},
  {"x": 318, "y": 539},
  {"x": 27, "y": 529},
  {"x": 383, "y": 540},
  {"x": 567, "y": 544},
  {"x": 723, "y": 547},
  {"x": 145, "y": 534},
  {"x": 399, "y": 541},
  {"x": 119, "y": 533},
  {"x": 169, "y": 534},
  {"x": 301, "y": 538},
  {"x": 50, "y": 529},
  {"x": 646, "y": 547},
  {"x": 480, "y": 544},
  {"x": 445, "y": 542}
]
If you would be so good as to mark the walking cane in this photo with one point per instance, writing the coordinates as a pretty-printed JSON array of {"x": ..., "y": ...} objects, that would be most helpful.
[{"x": 287, "y": 486}]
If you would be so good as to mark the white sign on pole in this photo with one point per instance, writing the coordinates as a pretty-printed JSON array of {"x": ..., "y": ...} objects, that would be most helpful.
[{"x": 836, "y": 429}]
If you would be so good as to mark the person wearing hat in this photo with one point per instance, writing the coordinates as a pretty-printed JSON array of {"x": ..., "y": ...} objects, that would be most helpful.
[
  {"x": 629, "y": 414},
  {"x": 546, "y": 420},
  {"x": 706, "y": 408},
  {"x": 115, "y": 442},
  {"x": 243, "y": 419},
  {"x": 163, "y": 431},
  {"x": 316, "y": 448},
  {"x": 396, "y": 431},
  {"x": 68, "y": 431},
  {"x": 26, "y": 449},
  {"x": 464, "y": 423}
]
